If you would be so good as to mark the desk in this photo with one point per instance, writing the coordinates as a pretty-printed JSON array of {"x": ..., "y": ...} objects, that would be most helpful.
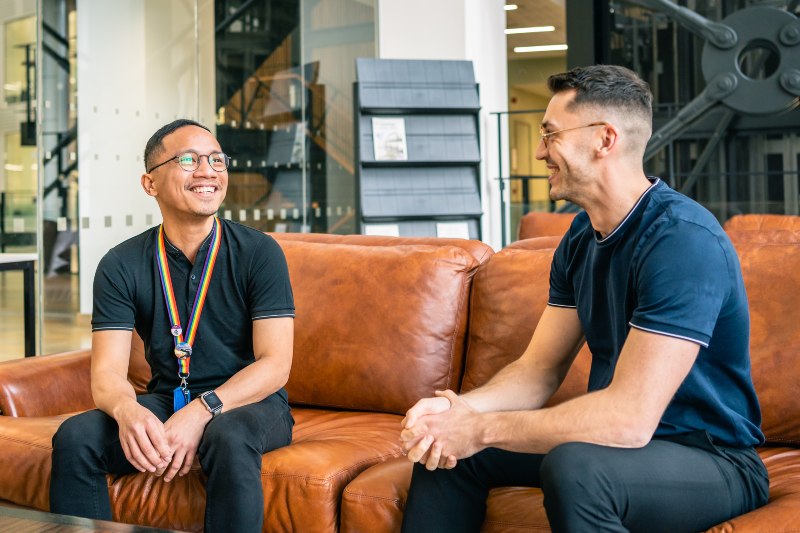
[{"x": 25, "y": 262}]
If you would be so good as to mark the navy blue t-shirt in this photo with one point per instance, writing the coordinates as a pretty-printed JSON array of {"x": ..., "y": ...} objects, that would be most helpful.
[
  {"x": 668, "y": 268},
  {"x": 250, "y": 281}
]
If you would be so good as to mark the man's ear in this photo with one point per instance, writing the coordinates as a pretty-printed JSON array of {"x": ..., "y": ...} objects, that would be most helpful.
[
  {"x": 608, "y": 141},
  {"x": 149, "y": 185}
]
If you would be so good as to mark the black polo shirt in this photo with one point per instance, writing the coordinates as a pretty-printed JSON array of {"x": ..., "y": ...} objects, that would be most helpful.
[
  {"x": 250, "y": 282},
  {"x": 670, "y": 269}
]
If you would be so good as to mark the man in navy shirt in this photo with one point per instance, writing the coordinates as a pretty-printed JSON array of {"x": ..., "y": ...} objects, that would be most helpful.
[
  {"x": 212, "y": 302},
  {"x": 664, "y": 440}
]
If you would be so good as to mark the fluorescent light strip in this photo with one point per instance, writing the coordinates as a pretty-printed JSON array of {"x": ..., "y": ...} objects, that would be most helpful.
[
  {"x": 510, "y": 7},
  {"x": 547, "y": 48},
  {"x": 532, "y": 29}
]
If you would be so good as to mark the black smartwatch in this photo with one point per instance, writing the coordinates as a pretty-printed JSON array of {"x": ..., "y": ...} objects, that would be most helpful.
[{"x": 212, "y": 402}]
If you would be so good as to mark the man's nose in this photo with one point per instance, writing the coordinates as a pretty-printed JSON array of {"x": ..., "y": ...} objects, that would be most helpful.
[{"x": 541, "y": 150}]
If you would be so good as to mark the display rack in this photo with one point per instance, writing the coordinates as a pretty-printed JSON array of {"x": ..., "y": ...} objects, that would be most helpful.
[{"x": 417, "y": 149}]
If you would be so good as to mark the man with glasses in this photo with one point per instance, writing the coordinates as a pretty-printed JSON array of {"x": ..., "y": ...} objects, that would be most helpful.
[
  {"x": 212, "y": 302},
  {"x": 664, "y": 440}
]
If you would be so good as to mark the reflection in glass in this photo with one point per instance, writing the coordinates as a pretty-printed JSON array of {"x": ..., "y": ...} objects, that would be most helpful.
[{"x": 285, "y": 71}]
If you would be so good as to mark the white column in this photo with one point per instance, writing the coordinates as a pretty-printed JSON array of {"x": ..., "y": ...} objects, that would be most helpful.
[
  {"x": 466, "y": 30},
  {"x": 138, "y": 69}
]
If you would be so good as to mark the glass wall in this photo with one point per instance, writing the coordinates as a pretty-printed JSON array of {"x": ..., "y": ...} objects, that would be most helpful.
[
  {"x": 18, "y": 171},
  {"x": 738, "y": 158},
  {"x": 285, "y": 72},
  {"x": 273, "y": 78}
]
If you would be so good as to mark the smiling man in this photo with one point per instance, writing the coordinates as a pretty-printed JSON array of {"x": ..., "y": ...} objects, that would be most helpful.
[
  {"x": 212, "y": 301},
  {"x": 664, "y": 440}
]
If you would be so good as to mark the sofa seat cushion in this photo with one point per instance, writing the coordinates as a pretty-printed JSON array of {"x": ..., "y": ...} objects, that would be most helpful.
[
  {"x": 375, "y": 500},
  {"x": 302, "y": 482},
  {"x": 25, "y": 450},
  {"x": 782, "y": 512}
]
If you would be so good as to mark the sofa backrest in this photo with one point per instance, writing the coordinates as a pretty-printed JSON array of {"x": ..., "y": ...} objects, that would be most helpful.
[
  {"x": 536, "y": 243},
  {"x": 772, "y": 278},
  {"x": 509, "y": 294},
  {"x": 544, "y": 224},
  {"x": 138, "y": 370},
  {"x": 315, "y": 393},
  {"x": 477, "y": 249},
  {"x": 762, "y": 222},
  {"x": 776, "y": 236},
  {"x": 377, "y": 327}
]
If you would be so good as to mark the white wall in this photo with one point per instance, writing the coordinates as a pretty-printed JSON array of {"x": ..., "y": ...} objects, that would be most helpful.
[
  {"x": 467, "y": 30},
  {"x": 133, "y": 77}
]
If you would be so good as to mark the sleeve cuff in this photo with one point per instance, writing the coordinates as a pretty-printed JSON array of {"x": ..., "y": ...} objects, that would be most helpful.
[{"x": 678, "y": 333}]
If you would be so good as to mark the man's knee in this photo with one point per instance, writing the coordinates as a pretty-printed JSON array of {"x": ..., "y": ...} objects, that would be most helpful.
[
  {"x": 227, "y": 438},
  {"x": 572, "y": 468},
  {"x": 73, "y": 435}
]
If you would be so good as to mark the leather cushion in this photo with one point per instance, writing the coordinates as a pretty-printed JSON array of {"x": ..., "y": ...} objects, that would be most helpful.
[
  {"x": 762, "y": 222},
  {"x": 544, "y": 224},
  {"x": 508, "y": 297},
  {"x": 772, "y": 279},
  {"x": 377, "y": 327},
  {"x": 477, "y": 249}
]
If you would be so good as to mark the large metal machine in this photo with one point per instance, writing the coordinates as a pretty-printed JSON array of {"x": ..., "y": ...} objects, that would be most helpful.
[
  {"x": 751, "y": 64},
  {"x": 726, "y": 81}
]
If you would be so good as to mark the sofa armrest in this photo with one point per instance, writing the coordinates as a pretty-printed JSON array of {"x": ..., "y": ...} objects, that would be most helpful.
[{"x": 46, "y": 385}]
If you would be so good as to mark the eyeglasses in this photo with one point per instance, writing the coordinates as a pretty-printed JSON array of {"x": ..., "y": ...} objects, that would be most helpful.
[
  {"x": 546, "y": 135},
  {"x": 190, "y": 161}
]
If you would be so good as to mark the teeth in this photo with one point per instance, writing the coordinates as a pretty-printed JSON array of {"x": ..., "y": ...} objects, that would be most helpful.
[{"x": 203, "y": 189}]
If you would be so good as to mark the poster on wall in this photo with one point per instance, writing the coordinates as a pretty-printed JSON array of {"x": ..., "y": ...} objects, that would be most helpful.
[
  {"x": 452, "y": 230},
  {"x": 389, "y": 138},
  {"x": 384, "y": 230}
]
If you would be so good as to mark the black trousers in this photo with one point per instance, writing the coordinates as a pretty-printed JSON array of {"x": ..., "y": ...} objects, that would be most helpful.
[
  {"x": 86, "y": 448},
  {"x": 665, "y": 486}
]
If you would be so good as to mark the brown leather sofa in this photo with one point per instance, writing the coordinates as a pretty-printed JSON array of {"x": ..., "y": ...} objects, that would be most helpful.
[
  {"x": 749, "y": 222},
  {"x": 508, "y": 295},
  {"x": 378, "y": 327},
  {"x": 542, "y": 224}
]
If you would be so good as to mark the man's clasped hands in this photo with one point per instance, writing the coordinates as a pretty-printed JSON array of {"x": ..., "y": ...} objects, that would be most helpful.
[{"x": 439, "y": 431}]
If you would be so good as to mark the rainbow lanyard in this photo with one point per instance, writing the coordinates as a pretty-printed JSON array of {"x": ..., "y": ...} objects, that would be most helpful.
[{"x": 183, "y": 345}]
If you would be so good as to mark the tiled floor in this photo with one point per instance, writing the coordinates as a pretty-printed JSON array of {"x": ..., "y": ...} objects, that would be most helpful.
[{"x": 63, "y": 328}]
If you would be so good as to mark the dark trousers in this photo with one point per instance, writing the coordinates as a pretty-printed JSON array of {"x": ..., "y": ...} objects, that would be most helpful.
[
  {"x": 664, "y": 486},
  {"x": 86, "y": 448}
]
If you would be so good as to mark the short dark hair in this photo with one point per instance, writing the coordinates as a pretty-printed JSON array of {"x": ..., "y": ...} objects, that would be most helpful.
[
  {"x": 155, "y": 145},
  {"x": 606, "y": 86}
]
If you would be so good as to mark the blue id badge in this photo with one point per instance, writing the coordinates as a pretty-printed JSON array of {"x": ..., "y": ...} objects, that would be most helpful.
[{"x": 180, "y": 398}]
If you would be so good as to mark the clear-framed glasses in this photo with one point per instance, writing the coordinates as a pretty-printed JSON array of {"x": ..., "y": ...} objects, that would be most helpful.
[
  {"x": 190, "y": 161},
  {"x": 545, "y": 135}
]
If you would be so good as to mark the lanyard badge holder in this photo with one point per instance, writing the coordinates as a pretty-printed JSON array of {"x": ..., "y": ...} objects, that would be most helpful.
[{"x": 181, "y": 396}]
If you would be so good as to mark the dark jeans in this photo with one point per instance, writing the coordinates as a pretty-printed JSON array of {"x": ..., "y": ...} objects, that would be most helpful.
[
  {"x": 86, "y": 448},
  {"x": 664, "y": 486}
]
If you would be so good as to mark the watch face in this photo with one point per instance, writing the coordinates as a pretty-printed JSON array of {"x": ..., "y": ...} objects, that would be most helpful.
[{"x": 212, "y": 401}]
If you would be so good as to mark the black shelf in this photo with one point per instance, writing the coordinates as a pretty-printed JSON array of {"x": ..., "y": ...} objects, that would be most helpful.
[{"x": 438, "y": 182}]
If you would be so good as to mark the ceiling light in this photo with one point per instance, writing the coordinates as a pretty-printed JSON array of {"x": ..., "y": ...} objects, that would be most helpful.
[
  {"x": 510, "y": 7},
  {"x": 532, "y": 29},
  {"x": 546, "y": 48}
]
